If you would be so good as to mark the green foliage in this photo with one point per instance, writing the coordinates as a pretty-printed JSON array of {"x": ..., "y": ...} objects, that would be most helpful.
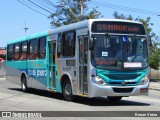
[
  {"x": 69, "y": 11},
  {"x": 154, "y": 56},
  {"x": 154, "y": 50},
  {"x": 147, "y": 24},
  {"x": 122, "y": 16}
]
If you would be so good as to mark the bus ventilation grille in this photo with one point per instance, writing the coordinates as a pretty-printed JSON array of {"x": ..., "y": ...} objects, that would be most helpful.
[
  {"x": 122, "y": 76},
  {"x": 122, "y": 90}
]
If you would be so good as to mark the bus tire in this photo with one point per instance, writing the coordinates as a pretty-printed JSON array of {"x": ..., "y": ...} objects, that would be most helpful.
[
  {"x": 24, "y": 84},
  {"x": 114, "y": 98},
  {"x": 67, "y": 91}
]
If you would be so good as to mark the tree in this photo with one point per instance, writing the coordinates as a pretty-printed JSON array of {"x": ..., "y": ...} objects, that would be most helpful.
[
  {"x": 154, "y": 51},
  {"x": 154, "y": 56},
  {"x": 147, "y": 23},
  {"x": 71, "y": 11},
  {"x": 122, "y": 16}
]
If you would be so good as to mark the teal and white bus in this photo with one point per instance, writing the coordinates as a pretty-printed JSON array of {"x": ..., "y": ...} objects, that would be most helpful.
[{"x": 91, "y": 58}]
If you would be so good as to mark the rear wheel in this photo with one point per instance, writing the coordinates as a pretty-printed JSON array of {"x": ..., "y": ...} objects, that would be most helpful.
[
  {"x": 67, "y": 91},
  {"x": 24, "y": 84},
  {"x": 114, "y": 99}
]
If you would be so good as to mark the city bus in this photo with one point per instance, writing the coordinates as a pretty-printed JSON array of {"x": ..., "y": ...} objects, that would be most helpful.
[{"x": 91, "y": 58}]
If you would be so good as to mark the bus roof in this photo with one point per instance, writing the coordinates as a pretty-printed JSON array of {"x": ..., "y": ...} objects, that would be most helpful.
[
  {"x": 86, "y": 23},
  {"x": 81, "y": 24},
  {"x": 115, "y": 20},
  {"x": 74, "y": 26},
  {"x": 36, "y": 35}
]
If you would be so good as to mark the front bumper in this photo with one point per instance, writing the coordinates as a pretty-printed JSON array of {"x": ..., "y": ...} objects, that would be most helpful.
[{"x": 96, "y": 90}]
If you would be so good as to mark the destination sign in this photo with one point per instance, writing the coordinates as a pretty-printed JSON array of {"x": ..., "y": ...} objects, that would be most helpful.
[{"x": 117, "y": 27}]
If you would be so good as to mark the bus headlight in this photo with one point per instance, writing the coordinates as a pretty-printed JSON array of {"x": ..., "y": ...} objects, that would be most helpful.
[
  {"x": 144, "y": 80},
  {"x": 99, "y": 81}
]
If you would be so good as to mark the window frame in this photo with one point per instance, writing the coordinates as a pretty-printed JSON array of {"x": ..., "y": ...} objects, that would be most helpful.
[
  {"x": 64, "y": 46},
  {"x": 29, "y": 50},
  {"x": 8, "y": 46},
  {"x": 39, "y": 47},
  {"x": 59, "y": 45},
  {"x": 14, "y": 51},
  {"x": 21, "y": 50}
]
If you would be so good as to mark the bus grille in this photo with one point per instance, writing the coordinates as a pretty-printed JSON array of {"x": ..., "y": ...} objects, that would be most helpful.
[
  {"x": 122, "y": 90},
  {"x": 119, "y": 83},
  {"x": 117, "y": 79},
  {"x": 122, "y": 76}
]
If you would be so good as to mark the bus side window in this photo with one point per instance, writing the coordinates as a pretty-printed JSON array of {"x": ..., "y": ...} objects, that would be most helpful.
[
  {"x": 16, "y": 55},
  {"x": 24, "y": 51},
  {"x": 10, "y": 52},
  {"x": 33, "y": 49},
  {"x": 69, "y": 44},
  {"x": 42, "y": 48},
  {"x": 59, "y": 45}
]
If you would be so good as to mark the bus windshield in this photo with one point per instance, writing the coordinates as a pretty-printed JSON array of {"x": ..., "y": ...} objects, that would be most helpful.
[{"x": 119, "y": 52}]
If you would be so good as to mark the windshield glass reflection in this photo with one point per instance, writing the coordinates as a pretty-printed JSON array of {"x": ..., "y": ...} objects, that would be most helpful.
[{"x": 119, "y": 52}]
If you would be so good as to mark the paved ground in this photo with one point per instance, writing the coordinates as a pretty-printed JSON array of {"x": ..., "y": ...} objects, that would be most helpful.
[
  {"x": 12, "y": 99},
  {"x": 155, "y": 85}
]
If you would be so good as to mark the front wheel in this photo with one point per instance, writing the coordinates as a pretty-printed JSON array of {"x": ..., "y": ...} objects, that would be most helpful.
[
  {"x": 67, "y": 91},
  {"x": 114, "y": 99}
]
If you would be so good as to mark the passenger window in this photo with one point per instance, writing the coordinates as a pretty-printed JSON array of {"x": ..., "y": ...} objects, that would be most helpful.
[
  {"x": 24, "y": 51},
  {"x": 42, "y": 48},
  {"x": 16, "y": 51},
  {"x": 33, "y": 49},
  {"x": 10, "y": 52},
  {"x": 68, "y": 41}
]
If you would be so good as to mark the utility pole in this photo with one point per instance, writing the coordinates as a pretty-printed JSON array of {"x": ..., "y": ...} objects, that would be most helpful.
[
  {"x": 82, "y": 7},
  {"x": 25, "y": 28}
]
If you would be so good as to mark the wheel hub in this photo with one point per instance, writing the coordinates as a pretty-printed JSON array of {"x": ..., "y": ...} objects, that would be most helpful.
[{"x": 68, "y": 89}]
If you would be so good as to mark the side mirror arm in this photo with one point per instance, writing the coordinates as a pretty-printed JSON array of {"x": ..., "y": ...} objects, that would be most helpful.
[
  {"x": 91, "y": 44},
  {"x": 149, "y": 41}
]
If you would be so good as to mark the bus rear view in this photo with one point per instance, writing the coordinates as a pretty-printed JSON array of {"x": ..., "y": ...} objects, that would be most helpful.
[{"x": 119, "y": 59}]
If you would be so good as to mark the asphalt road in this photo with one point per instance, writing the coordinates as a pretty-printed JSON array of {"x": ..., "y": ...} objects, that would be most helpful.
[{"x": 13, "y": 99}]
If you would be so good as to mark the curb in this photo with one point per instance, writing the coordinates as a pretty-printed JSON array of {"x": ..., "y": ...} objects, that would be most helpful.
[{"x": 155, "y": 89}]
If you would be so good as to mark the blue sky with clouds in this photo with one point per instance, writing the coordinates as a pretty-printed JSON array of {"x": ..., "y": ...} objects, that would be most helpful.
[{"x": 14, "y": 14}]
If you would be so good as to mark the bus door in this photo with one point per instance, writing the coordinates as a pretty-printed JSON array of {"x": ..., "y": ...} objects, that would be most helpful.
[
  {"x": 83, "y": 65},
  {"x": 51, "y": 64}
]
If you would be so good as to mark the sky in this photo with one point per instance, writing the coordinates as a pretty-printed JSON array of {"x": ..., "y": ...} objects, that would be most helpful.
[{"x": 13, "y": 15}]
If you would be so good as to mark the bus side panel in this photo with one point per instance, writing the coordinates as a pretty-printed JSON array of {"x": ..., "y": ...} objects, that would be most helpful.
[
  {"x": 37, "y": 73},
  {"x": 67, "y": 67},
  {"x": 14, "y": 71},
  {"x": 58, "y": 81}
]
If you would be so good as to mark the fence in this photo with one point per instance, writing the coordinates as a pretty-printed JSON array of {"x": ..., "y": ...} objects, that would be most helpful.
[{"x": 2, "y": 69}]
